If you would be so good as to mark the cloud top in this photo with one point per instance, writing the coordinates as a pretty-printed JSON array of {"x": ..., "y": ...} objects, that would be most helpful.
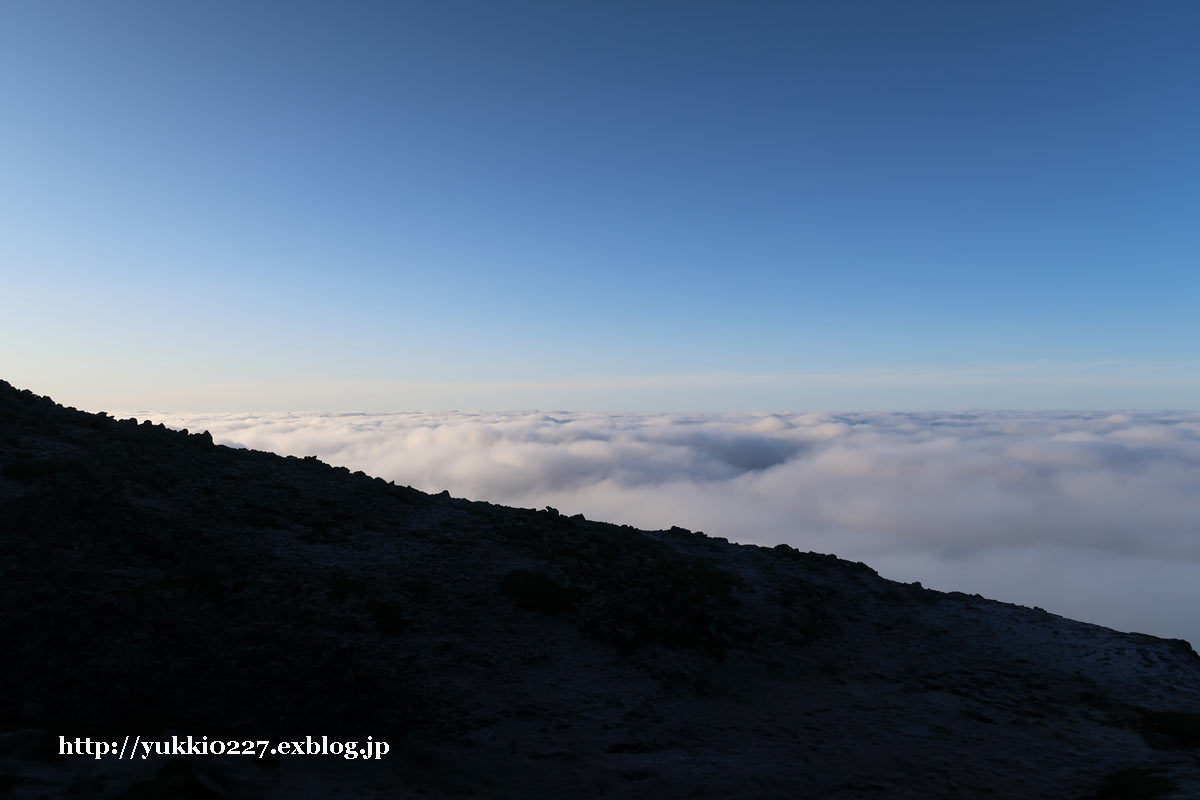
[{"x": 1093, "y": 515}]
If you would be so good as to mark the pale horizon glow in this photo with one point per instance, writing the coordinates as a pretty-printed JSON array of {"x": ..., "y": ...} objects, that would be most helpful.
[{"x": 1106, "y": 385}]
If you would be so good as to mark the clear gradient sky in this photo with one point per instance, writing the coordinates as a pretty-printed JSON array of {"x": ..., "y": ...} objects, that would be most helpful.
[{"x": 617, "y": 205}]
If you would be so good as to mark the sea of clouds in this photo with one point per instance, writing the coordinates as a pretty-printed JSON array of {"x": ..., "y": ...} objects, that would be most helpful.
[{"x": 1095, "y": 516}]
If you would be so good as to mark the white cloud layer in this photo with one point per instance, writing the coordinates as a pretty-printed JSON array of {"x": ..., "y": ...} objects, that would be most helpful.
[{"x": 1091, "y": 515}]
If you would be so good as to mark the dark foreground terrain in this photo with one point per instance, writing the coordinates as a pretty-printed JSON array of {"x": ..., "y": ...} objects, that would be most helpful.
[{"x": 156, "y": 584}]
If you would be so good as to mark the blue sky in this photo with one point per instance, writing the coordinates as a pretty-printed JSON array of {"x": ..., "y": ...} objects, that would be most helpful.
[{"x": 693, "y": 206}]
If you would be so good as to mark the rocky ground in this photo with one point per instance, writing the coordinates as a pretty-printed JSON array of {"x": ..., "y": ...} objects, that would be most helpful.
[{"x": 156, "y": 584}]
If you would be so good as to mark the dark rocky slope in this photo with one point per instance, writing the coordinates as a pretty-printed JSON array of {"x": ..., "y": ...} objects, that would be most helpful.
[{"x": 154, "y": 583}]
